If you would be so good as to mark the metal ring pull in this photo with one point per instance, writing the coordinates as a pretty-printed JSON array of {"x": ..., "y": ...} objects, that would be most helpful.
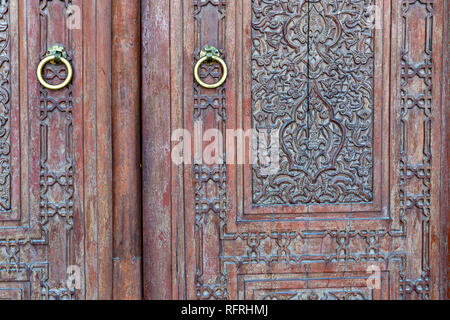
[
  {"x": 55, "y": 54},
  {"x": 209, "y": 54}
]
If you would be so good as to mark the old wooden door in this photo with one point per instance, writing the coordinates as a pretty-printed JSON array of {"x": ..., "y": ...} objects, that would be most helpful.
[
  {"x": 353, "y": 92},
  {"x": 55, "y": 151}
]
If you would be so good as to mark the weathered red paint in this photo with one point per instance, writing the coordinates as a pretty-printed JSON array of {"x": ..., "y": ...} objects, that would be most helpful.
[
  {"x": 159, "y": 195},
  {"x": 127, "y": 251},
  {"x": 75, "y": 163},
  {"x": 61, "y": 214},
  {"x": 213, "y": 258}
]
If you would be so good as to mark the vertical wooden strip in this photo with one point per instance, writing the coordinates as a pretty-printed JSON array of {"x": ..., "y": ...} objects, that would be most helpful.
[
  {"x": 445, "y": 183},
  {"x": 74, "y": 29},
  {"x": 437, "y": 148},
  {"x": 90, "y": 148},
  {"x": 157, "y": 195},
  {"x": 126, "y": 149},
  {"x": 179, "y": 251},
  {"x": 104, "y": 152},
  {"x": 446, "y": 132},
  {"x": 98, "y": 149}
]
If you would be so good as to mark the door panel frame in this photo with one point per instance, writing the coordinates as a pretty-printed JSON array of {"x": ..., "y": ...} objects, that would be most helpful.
[{"x": 167, "y": 61}]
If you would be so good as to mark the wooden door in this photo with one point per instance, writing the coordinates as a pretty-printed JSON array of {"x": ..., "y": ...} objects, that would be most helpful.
[
  {"x": 55, "y": 181},
  {"x": 357, "y": 207}
]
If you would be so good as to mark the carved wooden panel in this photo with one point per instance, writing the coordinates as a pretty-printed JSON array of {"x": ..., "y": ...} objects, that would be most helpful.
[
  {"x": 5, "y": 106},
  {"x": 359, "y": 113},
  {"x": 42, "y": 142},
  {"x": 313, "y": 83},
  {"x": 36, "y": 244}
]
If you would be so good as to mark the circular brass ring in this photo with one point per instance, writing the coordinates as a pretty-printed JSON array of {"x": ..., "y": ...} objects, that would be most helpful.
[
  {"x": 214, "y": 85},
  {"x": 58, "y": 86}
]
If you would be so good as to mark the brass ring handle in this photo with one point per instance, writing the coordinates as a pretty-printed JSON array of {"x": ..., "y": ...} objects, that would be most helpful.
[
  {"x": 54, "y": 55},
  {"x": 209, "y": 54}
]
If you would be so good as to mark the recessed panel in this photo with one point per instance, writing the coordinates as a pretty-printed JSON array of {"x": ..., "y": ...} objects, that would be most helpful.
[{"x": 312, "y": 65}]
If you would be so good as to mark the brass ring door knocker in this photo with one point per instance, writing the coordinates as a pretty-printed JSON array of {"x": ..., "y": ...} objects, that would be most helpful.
[
  {"x": 210, "y": 54},
  {"x": 56, "y": 54}
]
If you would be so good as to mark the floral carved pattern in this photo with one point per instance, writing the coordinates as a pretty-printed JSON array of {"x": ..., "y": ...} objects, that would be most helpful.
[
  {"x": 312, "y": 69},
  {"x": 318, "y": 294},
  {"x": 38, "y": 248},
  {"x": 316, "y": 91},
  {"x": 5, "y": 92},
  {"x": 313, "y": 137}
]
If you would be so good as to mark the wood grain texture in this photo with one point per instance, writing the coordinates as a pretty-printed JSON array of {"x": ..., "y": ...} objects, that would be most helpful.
[
  {"x": 223, "y": 247},
  {"x": 70, "y": 185},
  {"x": 126, "y": 137},
  {"x": 98, "y": 148},
  {"x": 156, "y": 128},
  {"x": 446, "y": 156}
]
